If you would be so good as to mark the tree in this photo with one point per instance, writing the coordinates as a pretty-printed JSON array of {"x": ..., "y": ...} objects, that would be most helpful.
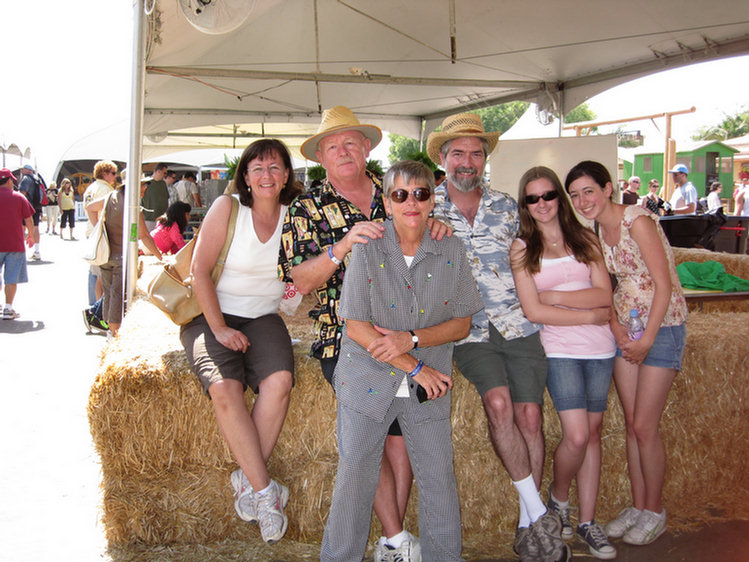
[
  {"x": 581, "y": 113},
  {"x": 494, "y": 118},
  {"x": 731, "y": 127}
]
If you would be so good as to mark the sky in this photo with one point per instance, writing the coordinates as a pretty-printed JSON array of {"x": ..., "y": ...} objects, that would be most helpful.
[{"x": 68, "y": 75}]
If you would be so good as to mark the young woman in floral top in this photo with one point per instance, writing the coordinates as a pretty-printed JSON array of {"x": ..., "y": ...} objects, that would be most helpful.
[{"x": 645, "y": 368}]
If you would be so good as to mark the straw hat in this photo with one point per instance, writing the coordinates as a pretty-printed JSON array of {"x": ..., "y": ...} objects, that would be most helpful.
[
  {"x": 335, "y": 120},
  {"x": 455, "y": 126}
]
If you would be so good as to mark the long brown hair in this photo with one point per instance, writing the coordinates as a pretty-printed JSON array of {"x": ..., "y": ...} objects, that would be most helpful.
[{"x": 581, "y": 241}]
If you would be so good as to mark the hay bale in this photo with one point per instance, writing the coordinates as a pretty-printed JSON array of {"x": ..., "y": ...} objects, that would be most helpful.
[{"x": 166, "y": 468}]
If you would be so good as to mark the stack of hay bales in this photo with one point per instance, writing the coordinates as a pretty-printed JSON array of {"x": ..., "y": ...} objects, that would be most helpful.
[{"x": 166, "y": 469}]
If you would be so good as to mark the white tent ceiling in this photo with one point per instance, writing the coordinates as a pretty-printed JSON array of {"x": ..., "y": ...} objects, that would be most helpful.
[{"x": 392, "y": 61}]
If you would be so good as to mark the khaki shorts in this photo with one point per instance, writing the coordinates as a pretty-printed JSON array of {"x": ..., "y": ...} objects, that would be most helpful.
[
  {"x": 269, "y": 352},
  {"x": 519, "y": 364}
]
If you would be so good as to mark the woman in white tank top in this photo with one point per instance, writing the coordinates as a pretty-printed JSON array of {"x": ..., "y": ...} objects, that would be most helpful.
[{"x": 240, "y": 340}]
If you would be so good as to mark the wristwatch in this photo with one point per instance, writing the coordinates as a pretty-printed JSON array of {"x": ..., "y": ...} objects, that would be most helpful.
[{"x": 414, "y": 338}]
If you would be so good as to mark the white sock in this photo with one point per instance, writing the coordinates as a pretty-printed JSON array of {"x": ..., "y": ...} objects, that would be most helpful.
[
  {"x": 524, "y": 520},
  {"x": 397, "y": 540},
  {"x": 36, "y": 247},
  {"x": 529, "y": 495},
  {"x": 266, "y": 489}
]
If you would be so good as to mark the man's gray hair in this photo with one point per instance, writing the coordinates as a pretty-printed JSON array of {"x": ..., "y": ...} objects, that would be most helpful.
[{"x": 445, "y": 147}]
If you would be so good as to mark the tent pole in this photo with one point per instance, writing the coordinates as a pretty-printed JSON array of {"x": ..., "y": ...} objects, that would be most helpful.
[{"x": 132, "y": 209}]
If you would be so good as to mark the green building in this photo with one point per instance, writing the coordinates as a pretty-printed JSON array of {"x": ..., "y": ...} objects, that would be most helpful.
[{"x": 708, "y": 161}]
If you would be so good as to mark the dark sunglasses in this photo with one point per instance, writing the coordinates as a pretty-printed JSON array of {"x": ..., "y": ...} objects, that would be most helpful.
[
  {"x": 548, "y": 196},
  {"x": 420, "y": 194}
]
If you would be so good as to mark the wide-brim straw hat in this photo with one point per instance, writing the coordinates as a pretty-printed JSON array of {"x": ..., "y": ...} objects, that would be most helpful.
[
  {"x": 456, "y": 126},
  {"x": 336, "y": 120}
]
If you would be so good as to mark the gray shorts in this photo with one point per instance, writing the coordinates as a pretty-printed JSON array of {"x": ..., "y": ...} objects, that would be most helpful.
[
  {"x": 269, "y": 352},
  {"x": 111, "y": 281},
  {"x": 519, "y": 364}
]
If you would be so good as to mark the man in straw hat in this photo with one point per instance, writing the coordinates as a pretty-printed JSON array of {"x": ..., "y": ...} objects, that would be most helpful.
[
  {"x": 321, "y": 227},
  {"x": 502, "y": 356}
]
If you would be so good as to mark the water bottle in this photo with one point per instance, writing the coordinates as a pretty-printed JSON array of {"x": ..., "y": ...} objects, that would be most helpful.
[{"x": 635, "y": 327}]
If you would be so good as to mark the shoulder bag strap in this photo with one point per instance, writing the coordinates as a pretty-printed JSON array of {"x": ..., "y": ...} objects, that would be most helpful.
[{"x": 219, "y": 267}]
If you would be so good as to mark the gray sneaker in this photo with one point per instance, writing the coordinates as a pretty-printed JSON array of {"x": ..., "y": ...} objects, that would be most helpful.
[
  {"x": 624, "y": 522},
  {"x": 269, "y": 508},
  {"x": 409, "y": 551},
  {"x": 546, "y": 533},
  {"x": 9, "y": 313},
  {"x": 524, "y": 545},
  {"x": 649, "y": 527},
  {"x": 598, "y": 544},
  {"x": 564, "y": 516},
  {"x": 244, "y": 496}
]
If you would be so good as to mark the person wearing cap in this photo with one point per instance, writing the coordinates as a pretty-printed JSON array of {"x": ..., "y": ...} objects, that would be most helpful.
[
  {"x": 15, "y": 214},
  {"x": 630, "y": 195},
  {"x": 684, "y": 198},
  {"x": 321, "y": 227},
  {"x": 33, "y": 189},
  {"x": 503, "y": 356}
]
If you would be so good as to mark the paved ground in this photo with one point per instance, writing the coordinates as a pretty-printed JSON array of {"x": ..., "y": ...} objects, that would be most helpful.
[{"x": 49, "y": 472}]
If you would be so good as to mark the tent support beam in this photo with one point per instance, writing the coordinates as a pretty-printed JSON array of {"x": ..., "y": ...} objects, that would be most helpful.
[{"x": 363, "y": 78}]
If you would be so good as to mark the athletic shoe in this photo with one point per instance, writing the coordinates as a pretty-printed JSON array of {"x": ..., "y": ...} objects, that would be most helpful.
[
  {"x": 269, "y": 508},
  {"x": 546, "y": 532},
  {"x": 36, "y": 256},
  {"x": 244, "y": 497},
  {"x": 409, "y": 551},
  {"x": 86, "y": 320},
  {"x": 9, "y": 313},
  {"x": 379, "y": 551},
  {"x": 598, "y": 544},
  {"x": 98, "y": 325},
  {"x": 623, "y": 523},
  {"x": 649, "y": 527},
  {"x": 524, "y": 546},
  {"x": 564, "y": 516}
]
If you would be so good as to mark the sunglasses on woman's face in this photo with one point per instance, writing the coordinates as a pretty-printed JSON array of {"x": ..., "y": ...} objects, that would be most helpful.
[
  {"x": 420, "y": 194},
  {"x": 547, "y": 196}
]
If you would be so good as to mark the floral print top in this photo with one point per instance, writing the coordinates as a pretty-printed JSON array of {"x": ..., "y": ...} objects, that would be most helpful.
[
  {"x": 315, "y": 221},
  {"x": 635, "y": 286}
]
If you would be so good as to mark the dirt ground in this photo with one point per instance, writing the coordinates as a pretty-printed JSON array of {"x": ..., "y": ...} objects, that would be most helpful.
[{"x": 49, "y": 475}]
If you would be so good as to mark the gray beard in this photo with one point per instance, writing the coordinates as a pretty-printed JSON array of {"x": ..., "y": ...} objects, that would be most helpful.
[{"x": 465, "y": 185}]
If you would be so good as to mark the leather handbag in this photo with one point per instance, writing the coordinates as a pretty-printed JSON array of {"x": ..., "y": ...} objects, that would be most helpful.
[
  {"x": 171, "y": 290},
  {"x": 97, "y": 251}
]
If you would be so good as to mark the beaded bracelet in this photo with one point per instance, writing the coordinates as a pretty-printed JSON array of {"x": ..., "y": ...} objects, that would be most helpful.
[{"x": 416, "y": 370}]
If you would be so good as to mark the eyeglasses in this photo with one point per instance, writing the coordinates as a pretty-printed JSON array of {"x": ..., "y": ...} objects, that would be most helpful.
[
  {"x": 420, "y": 194},
  {"x": 547, "y": 196}
]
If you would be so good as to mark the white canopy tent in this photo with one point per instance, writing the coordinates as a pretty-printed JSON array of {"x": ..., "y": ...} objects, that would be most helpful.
[{"x": 403, "y": 65}]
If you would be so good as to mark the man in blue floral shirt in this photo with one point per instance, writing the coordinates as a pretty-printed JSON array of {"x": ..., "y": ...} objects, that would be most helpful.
[{"x": 502, "y": 356}]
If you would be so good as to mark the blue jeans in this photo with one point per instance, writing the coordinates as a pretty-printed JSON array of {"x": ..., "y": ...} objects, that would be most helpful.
[{"x": 579, "y": 383}]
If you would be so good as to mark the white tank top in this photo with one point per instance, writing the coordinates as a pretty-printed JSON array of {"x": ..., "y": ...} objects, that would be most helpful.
[{"x": 249, "y": 285}]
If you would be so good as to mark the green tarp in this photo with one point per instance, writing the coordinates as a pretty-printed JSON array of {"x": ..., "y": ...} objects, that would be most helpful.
[{"x": 709, "y": 275}]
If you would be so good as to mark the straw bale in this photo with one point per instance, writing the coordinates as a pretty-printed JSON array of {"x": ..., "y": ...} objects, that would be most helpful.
[
  {"x": 166, "y": 468},
  {"x": 735, "y": 264}
]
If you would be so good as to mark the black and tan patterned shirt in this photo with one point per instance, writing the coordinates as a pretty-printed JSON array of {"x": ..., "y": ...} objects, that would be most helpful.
[{"x": 315, "y": 221}]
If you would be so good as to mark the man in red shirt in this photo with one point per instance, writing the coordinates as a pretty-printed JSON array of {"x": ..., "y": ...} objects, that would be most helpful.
[{"x": 15, "y": 213}]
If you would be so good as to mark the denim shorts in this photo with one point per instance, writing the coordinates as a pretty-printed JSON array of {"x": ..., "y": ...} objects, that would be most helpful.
[
  {"x": 13, "y": 265},
  {"x": 667, "y": 349},
  {"x": 579, "y": 384}
]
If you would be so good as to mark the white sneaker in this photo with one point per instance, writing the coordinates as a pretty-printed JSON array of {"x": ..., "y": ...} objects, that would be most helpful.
[
  {"x": 269, "y": 508},
  {"x": 409, "y": 551},
  {"x": 380, "y": 550},
  {"x": 244, "y": 496},
  {"x": 649, "y": 527},
  {"x": 36, "y": 256},
  {"x": 9, "y": 313},
  {"x": 624, "y": 522}
]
